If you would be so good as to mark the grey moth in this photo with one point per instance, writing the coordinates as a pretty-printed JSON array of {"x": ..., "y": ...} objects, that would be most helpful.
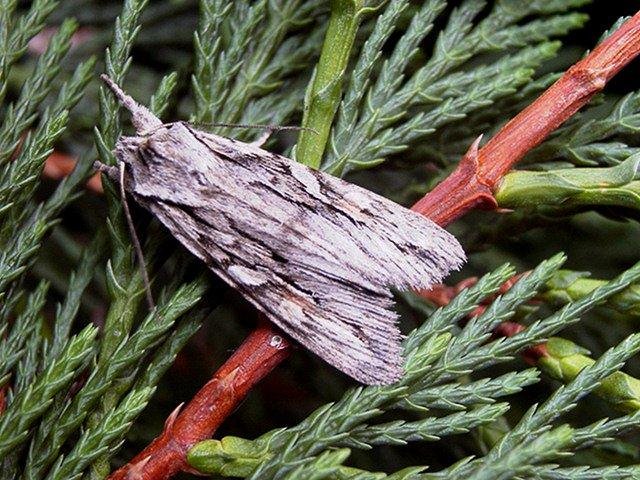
[{"x": 317, "y": 255}]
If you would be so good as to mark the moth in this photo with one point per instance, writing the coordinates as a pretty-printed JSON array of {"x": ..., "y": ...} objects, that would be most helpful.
[{"x": 316, "y": 254}]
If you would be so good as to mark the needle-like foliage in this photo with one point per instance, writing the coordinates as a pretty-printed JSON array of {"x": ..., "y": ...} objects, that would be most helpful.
[{"x": 390, "y": 94}]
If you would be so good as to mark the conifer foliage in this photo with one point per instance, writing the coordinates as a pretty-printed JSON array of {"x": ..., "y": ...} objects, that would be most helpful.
[{"x": 523, "y": 369}]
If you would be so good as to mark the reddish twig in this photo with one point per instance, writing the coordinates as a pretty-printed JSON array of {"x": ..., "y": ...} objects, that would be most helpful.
[
  {"x": 261, "y": 351},
  {"x": 38, "y": 44},
  {"x": 463, "y": 190},
  {"x": 532, "y": 354},
  {"x": 3, "y": 398},
  {"x": 475, "y": 179},
  {"x": 469, "y": 187},
  {"x": 442, "y": 295}
]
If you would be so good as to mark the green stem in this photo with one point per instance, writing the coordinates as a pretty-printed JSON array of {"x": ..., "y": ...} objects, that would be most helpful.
[
  {"x": 325, "y": 89},
  {"x": 240, "y": 457},
  {"x": 565, "y": 360},
  {"x": 230, "y": 456},
  {"x": 567, "y": 286},
  {"x": 573, "y": 187}
]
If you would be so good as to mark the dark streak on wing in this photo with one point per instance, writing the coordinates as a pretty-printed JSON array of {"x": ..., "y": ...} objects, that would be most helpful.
[{"x": 316, "y": 254}]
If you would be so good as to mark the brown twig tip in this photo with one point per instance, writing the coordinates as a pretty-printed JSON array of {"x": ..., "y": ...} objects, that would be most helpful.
[
  {"x": 171, "y": 419},
  {"x": 3, "y": 398},
  {"x": 472, "y": 152}
]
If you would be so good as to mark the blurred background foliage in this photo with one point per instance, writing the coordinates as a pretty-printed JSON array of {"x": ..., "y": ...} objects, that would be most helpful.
[{"x": 397, "y": 135}]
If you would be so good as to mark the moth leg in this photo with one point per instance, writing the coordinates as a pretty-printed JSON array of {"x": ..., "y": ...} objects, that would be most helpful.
[
  {"x": 261, "y": 140},
  {"x": 141, "y": 116},
  {"x": 109, "y": 170},
  {"x": 134, "y": 238}
]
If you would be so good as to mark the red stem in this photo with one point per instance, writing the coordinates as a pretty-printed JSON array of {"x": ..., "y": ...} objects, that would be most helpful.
[
  {"x": 442, "y": 295},
  {"x": 258, "y": 355},
  {"x": 472, "y": 184},
  {"x": 3, "y": 398},
  {"x": 469, "y": 187}
]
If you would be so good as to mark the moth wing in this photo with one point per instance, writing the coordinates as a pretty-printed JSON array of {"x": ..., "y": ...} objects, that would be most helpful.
[
  {"x": 316, "y": 254},
  {"x": 350, "y": 327},
  {"x": 379, "y": 240}
]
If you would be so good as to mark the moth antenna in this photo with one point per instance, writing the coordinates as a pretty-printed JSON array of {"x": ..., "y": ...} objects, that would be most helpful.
[
  {"x": 273, "y": 128},
  {"x": 136, "y": 242},
  {"x": 147, "y": 133},
  {"x": 262, "y": 139},
  {"x": 141, "y": 116}
]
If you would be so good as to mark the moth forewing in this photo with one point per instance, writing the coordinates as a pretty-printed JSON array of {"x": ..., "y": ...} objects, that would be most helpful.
[{"x": 314, "y": 253}]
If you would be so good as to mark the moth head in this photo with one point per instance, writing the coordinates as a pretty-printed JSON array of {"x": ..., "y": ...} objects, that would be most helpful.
[
  {"x": 146, "y": 155},
  {"x": 144, "y": 147},
  {"x": 128, "y": 152},
  {"x": 141, "y": 117},
  {"x": 127, "y": 147},
  {"x": 135, "y": 152}
]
